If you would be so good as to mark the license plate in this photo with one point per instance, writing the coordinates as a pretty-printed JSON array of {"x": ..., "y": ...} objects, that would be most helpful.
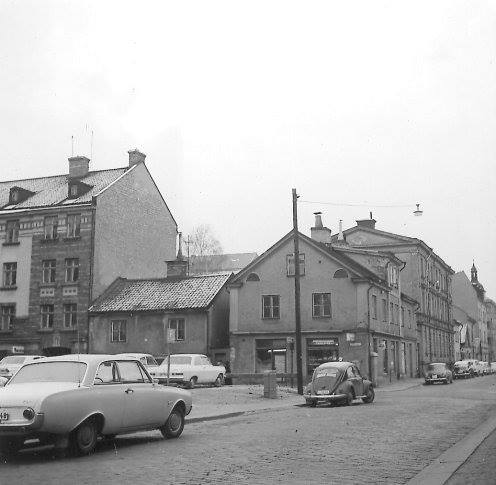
[
  {"x": 434, "y": 376},
  {"x": 4, "y": 416},
  {"x": 323, "y": 391}
]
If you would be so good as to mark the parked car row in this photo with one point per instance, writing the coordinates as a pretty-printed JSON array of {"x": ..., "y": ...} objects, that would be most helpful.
[{"x": 464, "y": 369}]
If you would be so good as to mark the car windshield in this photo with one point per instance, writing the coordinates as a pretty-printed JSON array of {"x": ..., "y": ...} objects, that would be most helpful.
[
  {"x": 50, "y": 372},
  {"x": 436, "y": 367},
  {"x": 13, "y": 359}
]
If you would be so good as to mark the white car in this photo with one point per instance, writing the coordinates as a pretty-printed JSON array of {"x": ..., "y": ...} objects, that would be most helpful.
[
  {"x": 190, "y": 370},
  {"x": 12, "y": 363},
  {"x": 74, "y": 399},
  {"x": 147, "y": 360}
]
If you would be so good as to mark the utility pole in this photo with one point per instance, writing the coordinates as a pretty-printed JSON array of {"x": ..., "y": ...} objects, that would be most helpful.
[{"x": 299, "y": 372}]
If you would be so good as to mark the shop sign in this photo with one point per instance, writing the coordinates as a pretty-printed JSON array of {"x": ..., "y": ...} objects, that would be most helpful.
[
  {"x": 355, "y": 344},
  {"x": 325, "y": 342}
]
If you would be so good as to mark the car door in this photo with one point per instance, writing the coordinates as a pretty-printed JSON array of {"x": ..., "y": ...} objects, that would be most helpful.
[
  {"x": 145, "y": 405},
  {"x": 358, "y": 380},
  {"x": 108, "y": 392},
  {"x": 199, "y": 369},
  {"x": 209, "y": 370}
]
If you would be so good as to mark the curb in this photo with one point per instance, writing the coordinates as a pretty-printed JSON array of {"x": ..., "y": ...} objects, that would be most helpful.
[
  {"x": 441, "y": 469},
  {"x": 385, "y": 389}
]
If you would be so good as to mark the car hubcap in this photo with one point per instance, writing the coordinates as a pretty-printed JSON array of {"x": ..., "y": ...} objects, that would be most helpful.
[
  {"x": 175, "y": 421},
  {"x": 86, "y": 436}
]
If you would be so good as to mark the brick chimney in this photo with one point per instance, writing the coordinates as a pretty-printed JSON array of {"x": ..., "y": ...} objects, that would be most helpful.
[
  {"x": 177, "y": 268},
  {"x": 135, "y": 157},
  {"x": 78, "y": 167},
  {"x": 370, "y": 223},
  {"x": 320, "y": 233}
]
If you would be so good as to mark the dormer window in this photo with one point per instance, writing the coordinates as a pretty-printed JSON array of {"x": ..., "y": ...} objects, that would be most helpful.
[
  {"x": 18, "y": 195},
  {"x": 77, "y": 189}
]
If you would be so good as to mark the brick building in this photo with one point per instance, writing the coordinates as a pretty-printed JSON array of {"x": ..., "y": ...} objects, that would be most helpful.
[
  {"x": 65, "y": 238},
  {"x": 426, "y": 278},
  {"x": 352, "y": 306}
]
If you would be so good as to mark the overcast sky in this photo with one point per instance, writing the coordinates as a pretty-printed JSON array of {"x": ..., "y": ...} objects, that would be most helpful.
[{"x": 361, "y": 102}]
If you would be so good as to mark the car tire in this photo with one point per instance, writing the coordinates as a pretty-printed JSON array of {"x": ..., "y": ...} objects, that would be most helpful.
[
  {"x": 219, "y": 382},
  {"x": 311, "y": 402},
  {"x": 83, "y": 439},
  {"x": 348, "y": 399},
  {"x": 369, "y": 397},
  {"x": 192, "y": 382},
  {"x": 174, "y": 425}
]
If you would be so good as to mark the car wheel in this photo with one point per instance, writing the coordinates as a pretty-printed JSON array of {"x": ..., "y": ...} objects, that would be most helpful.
[
  {"x": 369, "y": 397},
  {"x": 174, "y": 425},
  {"x": 311, "y": 402},
  {"x": 219, "y": 381},
  {"x": 348, "y": 399},
  {"x": 84, "y": 438},
  {"x": 192, "y": 382}
]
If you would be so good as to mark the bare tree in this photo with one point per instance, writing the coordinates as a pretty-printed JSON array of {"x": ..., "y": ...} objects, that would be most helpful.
[{"x": 201, "y": 246}]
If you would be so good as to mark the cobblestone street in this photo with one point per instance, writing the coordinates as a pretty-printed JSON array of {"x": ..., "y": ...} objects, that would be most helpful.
[{"x": 388, "y": 441}]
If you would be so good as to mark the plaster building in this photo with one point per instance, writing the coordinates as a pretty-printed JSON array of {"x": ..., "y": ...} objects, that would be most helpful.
[
  {"x": 352, "y": 307},
  {"x": 491, "y": 329},
  {"x": 425, "y": 278},
  {"x": 190, "y": 314},
  {"x": 65, "y": 238},
  {"x": 481, "y": 347}
]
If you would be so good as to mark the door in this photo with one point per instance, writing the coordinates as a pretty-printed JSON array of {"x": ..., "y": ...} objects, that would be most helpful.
[{"x": 144, "y": 403}]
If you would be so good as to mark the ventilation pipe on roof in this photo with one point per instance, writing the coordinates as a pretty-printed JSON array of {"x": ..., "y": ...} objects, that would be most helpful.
[{"x": 320, "y": 233}]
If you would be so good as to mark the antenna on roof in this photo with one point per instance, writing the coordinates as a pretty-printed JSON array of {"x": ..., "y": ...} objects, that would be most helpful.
[{"x": 72, "y": 145}]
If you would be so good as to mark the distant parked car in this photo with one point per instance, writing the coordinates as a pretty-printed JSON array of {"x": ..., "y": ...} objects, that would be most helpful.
[
  {"x": 83, "y": 397},
  {"x": 146, "y": 359},
  {"x": 438, "y": 372},
  {"x": 338, "y": 382},
  {"x": 12, "y": 363},
  {"x": 190, "y": 370},
  {"x": 464, "y": 369},
  {"x": 485, "y": 368}
]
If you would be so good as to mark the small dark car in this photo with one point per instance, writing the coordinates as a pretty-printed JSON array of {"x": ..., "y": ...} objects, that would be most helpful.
[
  {"x": 338, "y": 382},
  {"x": 438, "y": 372}
]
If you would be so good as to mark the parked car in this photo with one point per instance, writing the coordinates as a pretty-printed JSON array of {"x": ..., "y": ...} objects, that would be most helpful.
[
  {"x": 190, "y": 370},
  {"x": 485, "y": 368},
  {"x": 147, "y": 360},
  {"x": 438, "y": 372},
  {"x": 12, "y": 363},
  {"x": 463, "y": 369},
  {"x": 85, "y": 397},
  {"x": 338, "y": 382}
]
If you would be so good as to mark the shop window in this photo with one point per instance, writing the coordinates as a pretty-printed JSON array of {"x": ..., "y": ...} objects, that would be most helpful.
[
  {"x": 270, "y": 355},
  {"x": 320, "y": 351}
]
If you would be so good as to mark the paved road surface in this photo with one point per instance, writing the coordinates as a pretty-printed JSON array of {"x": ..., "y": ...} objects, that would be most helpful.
[{"x": 388, "y": 441}]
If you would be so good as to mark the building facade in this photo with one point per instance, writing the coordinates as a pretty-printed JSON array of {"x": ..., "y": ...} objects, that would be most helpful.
[
  {"x": 65, "y": 238},
  {"x": 491, "y": 329},
  {"x": 349, "y": 309},
  {"x": 425, "y": 278}
]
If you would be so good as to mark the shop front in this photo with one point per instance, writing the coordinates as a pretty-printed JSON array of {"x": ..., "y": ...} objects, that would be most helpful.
[{"x": 320, "y": 350}]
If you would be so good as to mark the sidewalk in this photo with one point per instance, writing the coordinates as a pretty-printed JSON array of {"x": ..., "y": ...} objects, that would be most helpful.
[{"x": 227, "y": 401}]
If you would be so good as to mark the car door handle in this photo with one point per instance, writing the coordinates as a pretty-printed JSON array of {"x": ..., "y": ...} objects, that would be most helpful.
[{"x": 129, "y": 391}]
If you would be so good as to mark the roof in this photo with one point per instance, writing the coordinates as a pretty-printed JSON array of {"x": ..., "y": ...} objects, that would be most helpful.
[
  {"x": 160, "y": 294},
  {"x": 53, "y": 190},
  {"x": 338, "y": 365},
  {"x": 220, "y": 262}
]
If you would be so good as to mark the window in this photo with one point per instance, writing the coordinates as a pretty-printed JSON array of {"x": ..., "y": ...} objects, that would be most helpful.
[
  {"x": 71, "y": 270},
  {"x": 374, "y": 306},
  {"x": 130, "y": 372},
  {"x": 7, "y": 315},
  {"x": 73, "y": 225},
  {"x": 393, "y": 275},
  {"x": 391, "y": 313},
  {"x": 384, "y": 311},
  {"x": 341, "y": 273},
  {"x": 70, "y": 315},
  {"x": 49, "y": 266},
  {"x": 118, "y": 331},
  {"x": 9, "y": 274},
  {"x": 46, "y": 316},
  {"x": 321, "y": 304},
  {"x": 409, "y": 319},
  {"x": 270, "y": 306},
  {"x": 73, "y": 191},
  {"x": 402, "y": 316},
  {"x": 253, "y": 277},
  {"x": 375, "y": 345},
  {"x": 51, "y": 227},
  {"x": 107, "y": 373},
  {"x": 290, "y": 267},
  {"x": 177, "y": 324},
  {"x": 12, "y": 230}
]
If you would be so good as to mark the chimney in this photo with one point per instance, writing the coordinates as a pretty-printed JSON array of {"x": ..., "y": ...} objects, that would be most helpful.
[
  {"x": 370, "y": 223},
  {"x": 177, "y": 268},
  {"x": 78, "y": 167},
  {"x": 341, "y": 240},
  {"x": 320, "y": 233},
  {"x": 135, "y": 157}
]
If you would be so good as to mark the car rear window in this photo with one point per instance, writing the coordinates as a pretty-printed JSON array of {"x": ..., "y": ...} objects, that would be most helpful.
[
  {"x": 436, "y": 367},
  {"x": 327, "y": 372},
  {"x": 50, "y": 372}
]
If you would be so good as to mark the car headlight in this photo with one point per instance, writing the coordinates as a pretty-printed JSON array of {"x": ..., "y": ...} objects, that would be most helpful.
[{"x": 28, "y": 413}]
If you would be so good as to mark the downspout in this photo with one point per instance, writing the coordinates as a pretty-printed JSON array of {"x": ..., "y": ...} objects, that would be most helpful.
[
  {"x": 92, "y": 259},
  {"x": 369, "y": 336},
  {"x": 208, "y": 332}
]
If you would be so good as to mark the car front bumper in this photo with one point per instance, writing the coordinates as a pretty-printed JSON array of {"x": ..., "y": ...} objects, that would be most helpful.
[
  {"x": 26, "y": 430},
  {"x": 325, "y": 397}
]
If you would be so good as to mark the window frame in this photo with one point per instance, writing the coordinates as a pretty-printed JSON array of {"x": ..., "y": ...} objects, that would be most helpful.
[
  {"x": 271, "y": 306},
  {"x": 178, "y": 323},
  {"x": 72, "y": 270},
  {"x": 7, "y": 319},
  {"x": 72, "y": 313},
  {"x": 321, "y": 304},
  {"x": 9, "y": 276},
  {"x": 374, "y": 307},
  {"x": 47, "y": 312},
  {"x": 50, "y": 227},
  {"x": 73, "y": 224},
  {"x": 290, "y": 266},
  {"x": 51, "y": 270},
  {"x": 122, "y": 323},
  {"x": 12, "y": 228}
]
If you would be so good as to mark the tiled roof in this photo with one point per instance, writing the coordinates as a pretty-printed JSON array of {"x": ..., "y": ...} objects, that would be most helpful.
[
  {"x": 192, "y": 292},
  {"x": 50, "y": 191}
]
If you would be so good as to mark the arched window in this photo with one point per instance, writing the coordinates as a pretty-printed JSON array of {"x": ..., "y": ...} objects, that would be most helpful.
[
  {"x": 253, "y": 277},
  {"x": 341, "y": 273}
]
